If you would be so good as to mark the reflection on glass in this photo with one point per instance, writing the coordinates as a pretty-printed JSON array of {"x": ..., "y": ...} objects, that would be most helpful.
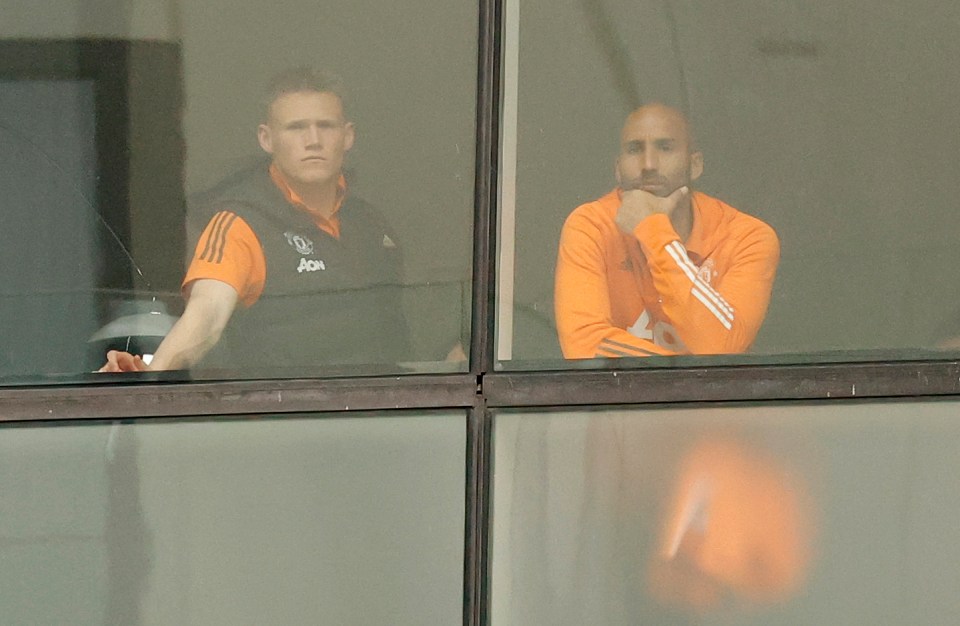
[
  {"x": 822, "y": 514},
  {"x": 267, "y": 521},
  {"x": 655, "y": 268},
  {"x": 736, "y": 531}
]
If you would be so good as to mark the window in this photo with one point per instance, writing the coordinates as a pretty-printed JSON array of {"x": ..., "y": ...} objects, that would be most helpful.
[
  {"x": 301, "y": 519},
  {"x": 823, "y": 122},
  {"x": 128, "y": 131},
  {"x": 476, "y": 131},
  {"x": 614, "y": 516}
]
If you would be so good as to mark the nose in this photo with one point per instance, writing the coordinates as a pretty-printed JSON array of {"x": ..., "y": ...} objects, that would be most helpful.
[
  {"x": 313, "y": 135},
  {"x": 650, "y": 160}
]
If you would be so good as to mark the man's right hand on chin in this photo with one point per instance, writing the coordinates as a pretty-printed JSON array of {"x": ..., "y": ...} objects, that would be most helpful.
[{"x": 638, "y": 204}]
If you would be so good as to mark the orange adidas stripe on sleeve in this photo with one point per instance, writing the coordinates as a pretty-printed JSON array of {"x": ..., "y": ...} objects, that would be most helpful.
[{"x": 228, "y": 250}]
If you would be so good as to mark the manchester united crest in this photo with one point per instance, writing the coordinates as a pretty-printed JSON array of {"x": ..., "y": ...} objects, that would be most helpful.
[
  {"x": 706, "y": 271},
  {"x": 300, "y": 243}
]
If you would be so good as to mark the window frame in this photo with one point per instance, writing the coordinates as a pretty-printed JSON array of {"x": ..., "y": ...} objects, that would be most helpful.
[{"x": 482, "y": 389}]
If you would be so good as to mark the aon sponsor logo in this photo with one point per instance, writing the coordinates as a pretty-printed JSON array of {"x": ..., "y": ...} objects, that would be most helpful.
[{"x": 310, "y": 265}]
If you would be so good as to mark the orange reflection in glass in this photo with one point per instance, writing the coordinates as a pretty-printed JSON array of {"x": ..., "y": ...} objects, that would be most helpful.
[{"x": 738, "y": 530}]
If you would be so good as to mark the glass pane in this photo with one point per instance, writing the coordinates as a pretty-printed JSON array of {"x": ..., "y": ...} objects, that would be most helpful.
[
  {"x": 816, "y": 514},
  {"x": 261, "y": 521},
  {"x": 781, "y": 116},
  {"x": 345, "y": 207}
]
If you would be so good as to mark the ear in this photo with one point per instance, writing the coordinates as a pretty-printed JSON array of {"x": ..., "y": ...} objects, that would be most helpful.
[
  {"x": 696, "y": 165},
  {"x": 350, "y": 136},
  {"x": 616, "y": 171},
  {"x": 265, "y": 138}
]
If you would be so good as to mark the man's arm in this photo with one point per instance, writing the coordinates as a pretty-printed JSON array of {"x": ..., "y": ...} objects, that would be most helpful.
[
  {"x": 227, "y": 265},
  {"x": 209, "y": 307},
  {"x": 582, "y": 298},
  {"x": 719, "y": 318}
]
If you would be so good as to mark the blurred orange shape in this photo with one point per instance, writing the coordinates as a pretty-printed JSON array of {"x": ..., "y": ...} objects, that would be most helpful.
[{"x": 738, "y": 527}]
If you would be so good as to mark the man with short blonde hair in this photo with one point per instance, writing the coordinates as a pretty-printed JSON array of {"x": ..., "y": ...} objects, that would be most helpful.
[{"x": 315, "y": 270}]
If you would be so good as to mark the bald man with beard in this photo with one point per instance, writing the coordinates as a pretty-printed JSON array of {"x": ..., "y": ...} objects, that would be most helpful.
[{"x": 656, "y": 268}]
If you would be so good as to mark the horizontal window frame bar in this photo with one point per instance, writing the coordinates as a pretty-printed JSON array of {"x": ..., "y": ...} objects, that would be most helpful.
[
  {"x": 741, "y": 383},
  {"x": 123, "y": 401},
  {"x": 722, "y": 384}
]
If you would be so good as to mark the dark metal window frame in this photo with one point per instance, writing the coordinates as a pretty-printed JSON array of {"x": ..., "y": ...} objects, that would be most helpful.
[{"x": 482, "y": 389}]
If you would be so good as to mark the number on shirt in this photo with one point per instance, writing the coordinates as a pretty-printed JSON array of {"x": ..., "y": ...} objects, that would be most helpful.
[{"x": 662, "y": 333}]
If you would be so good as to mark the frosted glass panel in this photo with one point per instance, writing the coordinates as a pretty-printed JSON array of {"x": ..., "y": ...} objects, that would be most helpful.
[
  {"x": 262, "y": 521},
  {"x": 818, "y": 514}
]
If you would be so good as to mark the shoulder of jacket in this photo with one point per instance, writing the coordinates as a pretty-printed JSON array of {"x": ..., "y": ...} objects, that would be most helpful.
[
  {"x": 739, "y": 221},
  {"x": 363, "y": 213},
  {"x": 598, "y": 212},
  {"x": 238, "y": 193}
]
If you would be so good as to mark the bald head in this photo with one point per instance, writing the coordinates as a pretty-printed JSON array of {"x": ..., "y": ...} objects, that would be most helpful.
[
  {"x": 663, "y": 114},
  {"x": 657, "y": 151}
]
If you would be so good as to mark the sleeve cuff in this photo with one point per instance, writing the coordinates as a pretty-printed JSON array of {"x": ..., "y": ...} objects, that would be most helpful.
[{"x": 655, "y": 232}]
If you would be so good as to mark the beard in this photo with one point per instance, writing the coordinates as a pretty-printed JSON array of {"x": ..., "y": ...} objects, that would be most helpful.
[{"x": 657, "y": 184}]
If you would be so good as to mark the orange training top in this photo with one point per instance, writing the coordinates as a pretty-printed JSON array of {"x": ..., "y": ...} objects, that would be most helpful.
[
  {"x": 239, "y": 259},
  {"x": 649, "y": 293}
]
